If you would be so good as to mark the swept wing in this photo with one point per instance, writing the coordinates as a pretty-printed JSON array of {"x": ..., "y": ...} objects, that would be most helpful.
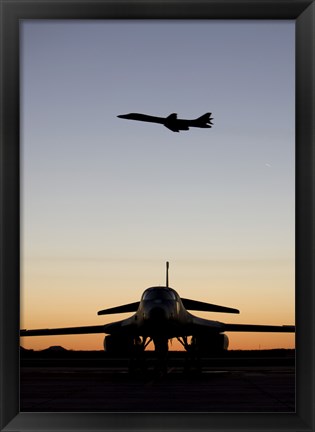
[
  {"x": 258, "y": 328},
  {"x": 64, "y": 331},
  {"x": 201, "y": 325}
]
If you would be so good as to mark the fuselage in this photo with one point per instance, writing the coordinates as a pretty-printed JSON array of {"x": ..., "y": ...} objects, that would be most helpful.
[
  {"x": 161, "y": 311},
  {"x": 143, "y": 117}
]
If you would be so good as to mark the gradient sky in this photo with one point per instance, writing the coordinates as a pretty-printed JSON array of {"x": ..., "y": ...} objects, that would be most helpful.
[{"x": 106, "y": 201}]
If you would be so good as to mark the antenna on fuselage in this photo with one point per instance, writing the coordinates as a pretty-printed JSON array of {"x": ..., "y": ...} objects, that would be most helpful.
[{"x": 167, "y": 267}]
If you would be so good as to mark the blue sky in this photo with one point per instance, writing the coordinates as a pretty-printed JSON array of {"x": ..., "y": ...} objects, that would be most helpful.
[{"x": 117, "y": 198}]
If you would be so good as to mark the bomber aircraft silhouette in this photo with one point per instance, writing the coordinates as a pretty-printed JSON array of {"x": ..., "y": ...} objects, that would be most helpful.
[
  {"x": 161, "y": 315},
  {"x": 172, "y": 122}
]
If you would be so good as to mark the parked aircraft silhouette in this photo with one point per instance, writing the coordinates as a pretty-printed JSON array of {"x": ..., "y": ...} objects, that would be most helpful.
[
  {"x": 172, "y": 122},
  {"x": 161, "y": 315}
]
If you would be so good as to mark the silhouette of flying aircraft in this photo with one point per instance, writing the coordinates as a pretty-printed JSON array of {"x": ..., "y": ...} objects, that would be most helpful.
[
  {"x": 161, "y": 315},
  {"x": 172, "y": 122}
]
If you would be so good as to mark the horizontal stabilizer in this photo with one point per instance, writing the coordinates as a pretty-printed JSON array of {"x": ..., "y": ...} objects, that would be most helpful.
[
  {"x": 259, "y": 328},
  {"x": 63, "y": 331},
  {"x": 131, "y": 307},
  {"x": 206, "y": 307}
]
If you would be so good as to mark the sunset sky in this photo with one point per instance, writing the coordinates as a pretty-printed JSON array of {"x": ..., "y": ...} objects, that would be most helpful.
[{"x": 106, "y": 201}]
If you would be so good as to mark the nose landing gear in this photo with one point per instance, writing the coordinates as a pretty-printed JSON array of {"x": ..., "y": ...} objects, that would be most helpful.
[{"x": 161, "y": 350}]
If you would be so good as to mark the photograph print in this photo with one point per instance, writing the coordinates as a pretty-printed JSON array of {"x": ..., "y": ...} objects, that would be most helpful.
[{"x": 157, "y": 216}]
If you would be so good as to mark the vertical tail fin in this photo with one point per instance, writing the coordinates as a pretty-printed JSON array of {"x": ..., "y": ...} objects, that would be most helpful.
[
  {"x": 167, "y": 267},
  {"x": 205, "y": 120}
]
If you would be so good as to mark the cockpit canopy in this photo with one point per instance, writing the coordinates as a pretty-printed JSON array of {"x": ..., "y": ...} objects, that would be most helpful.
[{"x": 159, "y": 293}]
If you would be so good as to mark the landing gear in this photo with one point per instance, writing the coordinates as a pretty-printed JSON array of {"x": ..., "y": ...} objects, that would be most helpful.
[
  {"x": 161, "y": 350},
  {"x": 192, "y": 360},
  {"x": 137, "y": 360}
]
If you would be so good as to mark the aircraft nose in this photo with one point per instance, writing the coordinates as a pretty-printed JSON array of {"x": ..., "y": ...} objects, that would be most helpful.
[{"x": 157, "y": 314}]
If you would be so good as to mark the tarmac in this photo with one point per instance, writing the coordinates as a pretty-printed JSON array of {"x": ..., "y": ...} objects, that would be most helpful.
[{"x": 221, "y": 385}]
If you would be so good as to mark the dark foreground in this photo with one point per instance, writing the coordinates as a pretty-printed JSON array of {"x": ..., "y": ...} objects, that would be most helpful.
[{"x": 232, "y": 384}]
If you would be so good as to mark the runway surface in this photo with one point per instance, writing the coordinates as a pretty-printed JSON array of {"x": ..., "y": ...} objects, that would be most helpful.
[{"x": 234, "y": 387}]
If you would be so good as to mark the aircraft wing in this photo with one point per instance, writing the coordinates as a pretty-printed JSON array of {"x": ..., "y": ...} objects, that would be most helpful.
[
  {"x": 259, "y": 328},
  {"x": 203, "y": 325},
  {"x": 123, "y": 326},
  {"x": 171, "y": 127},
  {"x": 130, "y": 307},
  {"x": 207, "y": 307},
  {"x": 63, "y": 331}
]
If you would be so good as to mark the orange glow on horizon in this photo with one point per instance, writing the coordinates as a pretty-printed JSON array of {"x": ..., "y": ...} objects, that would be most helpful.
[
  {"x": 237, "y": 341},
  {"x": 73, "y": 295}
]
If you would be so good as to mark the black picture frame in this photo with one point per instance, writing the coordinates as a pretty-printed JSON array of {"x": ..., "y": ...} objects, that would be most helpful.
[{"x": 12, "y": 11}]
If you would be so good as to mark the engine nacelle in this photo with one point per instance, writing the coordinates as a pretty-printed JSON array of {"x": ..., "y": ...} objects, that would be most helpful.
[
  {"x": 213, "y": 344},
  {"x": 118, "y": 344}
]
